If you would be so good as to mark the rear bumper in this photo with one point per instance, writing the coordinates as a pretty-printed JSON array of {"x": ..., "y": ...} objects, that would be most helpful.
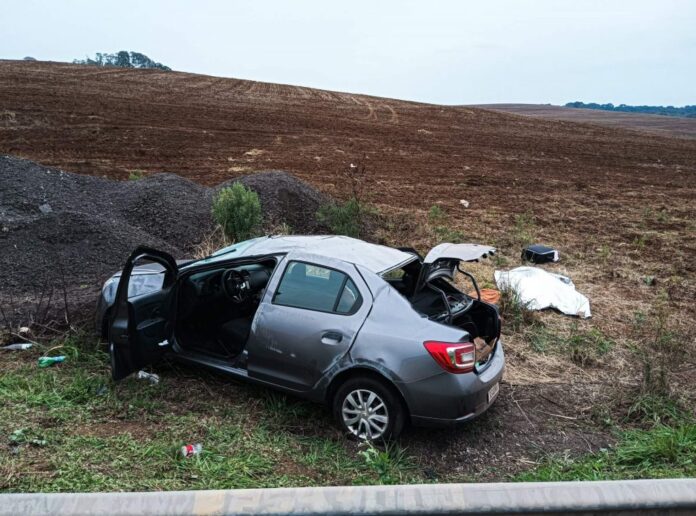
[{"x": 450, "y": 399}]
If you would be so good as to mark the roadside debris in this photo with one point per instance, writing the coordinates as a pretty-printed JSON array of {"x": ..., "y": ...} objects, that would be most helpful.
[
  {"x": 19, "y": 346},
  {"x": 19, "y": 437},
  {"x": 538, "y": 253},
  {"x": 189, "y": 450},
  {"x": 49, "y": 361},
  {"x": 464, "y": 203},
  {"x": 488, "y": 295},
  {"x": 150, "y": 377},
  {"x": 539, "y": 289},
  {"x": 483, "y": 348},
  {"x": 102, "y": 390}
]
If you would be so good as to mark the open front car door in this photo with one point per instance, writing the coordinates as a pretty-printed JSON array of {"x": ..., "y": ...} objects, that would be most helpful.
[{"x": 141, "y": 326}]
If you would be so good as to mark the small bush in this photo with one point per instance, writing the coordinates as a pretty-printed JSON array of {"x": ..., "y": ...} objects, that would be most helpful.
[
  {"x": 524, "y": 228},
  {"x": 343, "y": 219},
  {"x": 135, "y": 175},
  {"x": 237, "y": 210},
  {"x": 436, "y": 214},
  {"x": 515, "y": 313},
  {"x": 447, "y": 234},
  {"x": 655, "y": 409},
  {"x": 437, "y": 217},
  {"x": 389, "y": 463},
  {"x": 659, "y": 347},
  {"x": 585, "y": 347}
]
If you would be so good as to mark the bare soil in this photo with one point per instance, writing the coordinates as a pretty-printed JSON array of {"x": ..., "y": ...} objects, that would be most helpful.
[
  {"x": 657, "y": 124},
  {"x": 619, "y": 204}
]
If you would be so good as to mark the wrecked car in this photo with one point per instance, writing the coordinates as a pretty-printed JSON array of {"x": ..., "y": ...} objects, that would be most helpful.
[{"x": 381, "y": 335}]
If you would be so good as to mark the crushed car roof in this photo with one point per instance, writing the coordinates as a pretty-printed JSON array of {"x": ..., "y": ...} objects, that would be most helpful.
[{"x": 374, "y": 257}]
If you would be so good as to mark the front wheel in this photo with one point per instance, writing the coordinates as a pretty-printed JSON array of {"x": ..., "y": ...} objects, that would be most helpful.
[{"x": 369, "y": 410}]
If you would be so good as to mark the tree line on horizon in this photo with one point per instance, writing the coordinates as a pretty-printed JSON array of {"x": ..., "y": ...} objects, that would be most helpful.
[
  {"x": 122, "y": 59},
  {"x": 684, "y": 111}
]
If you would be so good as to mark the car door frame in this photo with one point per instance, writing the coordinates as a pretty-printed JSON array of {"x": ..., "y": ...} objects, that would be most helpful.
[{"x": 128, "y": 350}]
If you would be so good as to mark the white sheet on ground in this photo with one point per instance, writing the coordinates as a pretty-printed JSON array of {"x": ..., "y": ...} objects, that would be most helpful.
[{"x": 541, "y": 289}]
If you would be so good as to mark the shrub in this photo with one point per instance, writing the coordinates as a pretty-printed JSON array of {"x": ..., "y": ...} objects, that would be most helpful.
[
  {"x": 237, "y": 210},
  {"x": 585, "y": 347},
  {"x": 447, "y": 234},
  {"x": 343, "y": 219},
  {"x": 524, "y": 228},
  {"x": 515, "y": 313},
  {"x": 389, "y": 463},
  {"x": 436, "y": 214}
]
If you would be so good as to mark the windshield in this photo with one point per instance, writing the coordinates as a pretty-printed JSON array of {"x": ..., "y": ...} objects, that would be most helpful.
[{"x": 227, "y": 252}]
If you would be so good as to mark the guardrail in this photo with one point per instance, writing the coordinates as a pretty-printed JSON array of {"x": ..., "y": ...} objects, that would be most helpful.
[{"x": 676, "y": 496}]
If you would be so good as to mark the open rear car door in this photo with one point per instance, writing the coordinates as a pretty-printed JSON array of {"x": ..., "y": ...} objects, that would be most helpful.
[{"x": 141, "y": 327}]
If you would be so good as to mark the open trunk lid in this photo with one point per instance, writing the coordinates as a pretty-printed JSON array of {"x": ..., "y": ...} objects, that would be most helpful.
[{"x": 443, "y": 259}]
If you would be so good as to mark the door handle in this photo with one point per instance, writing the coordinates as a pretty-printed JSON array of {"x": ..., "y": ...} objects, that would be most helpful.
[{"x": 331, "y": 338}]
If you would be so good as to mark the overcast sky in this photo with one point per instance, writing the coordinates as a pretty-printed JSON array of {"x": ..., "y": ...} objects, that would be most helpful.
[{"x": 450, "y": 52}]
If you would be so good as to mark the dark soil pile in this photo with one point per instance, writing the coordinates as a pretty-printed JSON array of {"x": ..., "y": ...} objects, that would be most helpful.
[
  {"x": 68, "y": 232},
  {"x": 284, "y": 198}
]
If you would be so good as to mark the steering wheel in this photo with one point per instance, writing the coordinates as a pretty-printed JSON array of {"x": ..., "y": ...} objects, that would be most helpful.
[{"x": 235, "y": 285}]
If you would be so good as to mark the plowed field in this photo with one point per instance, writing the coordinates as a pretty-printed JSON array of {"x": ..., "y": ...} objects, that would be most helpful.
[{"x": 620, "y": 205}]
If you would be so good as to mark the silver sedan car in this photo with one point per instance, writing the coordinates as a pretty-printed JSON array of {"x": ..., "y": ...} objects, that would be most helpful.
[{"x": 379, "y": 334}]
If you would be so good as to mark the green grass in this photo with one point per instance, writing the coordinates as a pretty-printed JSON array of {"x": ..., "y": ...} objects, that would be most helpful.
[
  {"x": 69, "y": 428},
  {"x": 585, "y": 347},
  {"x": 516, "y": 313},
  {"x": 136, "y": 175},
  {"x": 660, "y": 452},
  {"x": 524, "y": 229}
]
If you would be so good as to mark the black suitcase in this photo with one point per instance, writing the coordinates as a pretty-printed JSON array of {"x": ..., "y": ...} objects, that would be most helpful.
[{"x": 538, "y": 253}]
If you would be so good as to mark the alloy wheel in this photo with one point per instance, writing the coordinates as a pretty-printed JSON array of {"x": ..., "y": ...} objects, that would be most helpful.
[{"x": 365, "y": 414}]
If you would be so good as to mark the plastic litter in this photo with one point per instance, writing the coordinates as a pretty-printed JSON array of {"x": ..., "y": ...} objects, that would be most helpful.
[
  {"x": 539, "y": 289},
  {"x": 19, "y": 346},
  {"x": 102, "y": 390},
  {"x": 464, "y": 203},
  {"x": 20, "y": 437},
  {"x": 488, "y": 295},
  {"x": 49, "y": 361},
  {"x": 189, "y": 450},
  {"x": 150, "y": 377}
]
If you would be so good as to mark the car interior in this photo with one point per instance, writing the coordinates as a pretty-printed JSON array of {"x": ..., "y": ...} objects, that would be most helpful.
[{"x": 216, "y": 308}]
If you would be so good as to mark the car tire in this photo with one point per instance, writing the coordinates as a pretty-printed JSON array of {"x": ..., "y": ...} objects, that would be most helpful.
[{"x": 361, "y": 405}]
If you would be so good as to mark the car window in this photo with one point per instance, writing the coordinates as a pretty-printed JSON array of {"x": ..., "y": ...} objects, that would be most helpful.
[
  {"x": 319, "y": 288},
  {"x": 349, "y": 297}
]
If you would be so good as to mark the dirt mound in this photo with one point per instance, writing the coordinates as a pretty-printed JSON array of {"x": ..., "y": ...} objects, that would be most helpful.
[
  {"x": 284, "y": 198},
  {"x": 63, "y": 231}
]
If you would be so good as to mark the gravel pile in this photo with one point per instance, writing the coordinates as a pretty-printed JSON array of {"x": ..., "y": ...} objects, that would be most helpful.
[{"x": 63, "y": 231}]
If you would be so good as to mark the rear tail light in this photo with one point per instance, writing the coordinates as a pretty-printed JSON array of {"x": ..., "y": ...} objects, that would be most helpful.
[{"x": 454, "y": 357}]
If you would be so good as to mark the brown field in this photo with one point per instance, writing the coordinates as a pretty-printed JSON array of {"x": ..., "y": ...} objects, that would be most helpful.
[
  {"x": 657, "y": 124},
  {"x": 619, "y": 204}
]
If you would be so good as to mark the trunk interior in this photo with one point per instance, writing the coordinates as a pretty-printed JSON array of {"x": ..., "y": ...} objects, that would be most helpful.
[{"x": 440, "y": 301}]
